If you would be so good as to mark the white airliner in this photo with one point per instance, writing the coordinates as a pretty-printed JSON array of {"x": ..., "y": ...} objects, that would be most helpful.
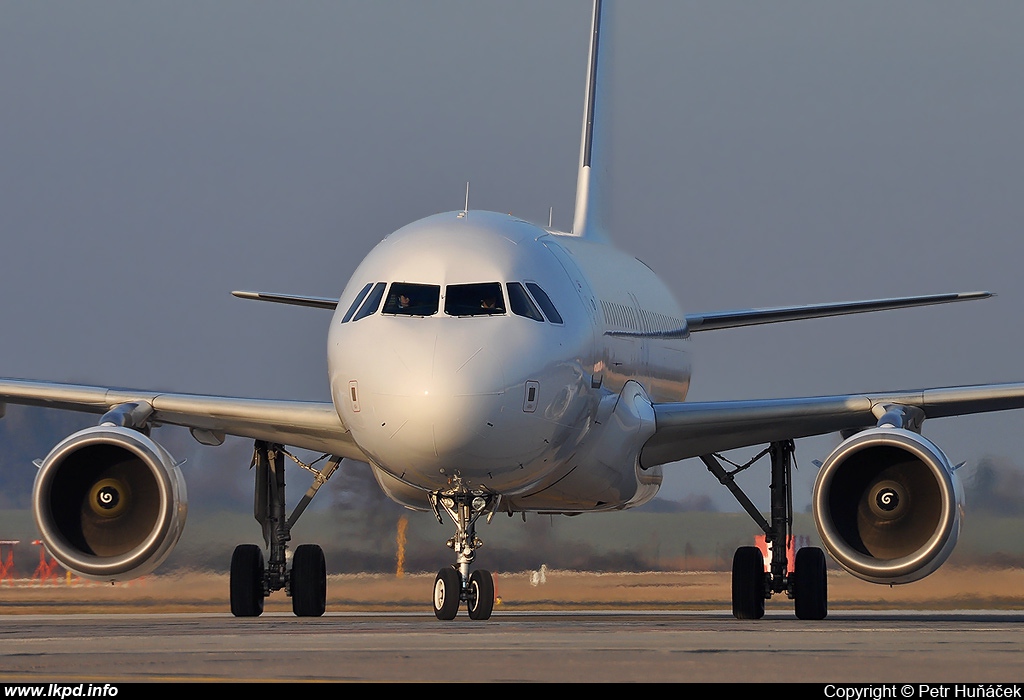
[{"x": 483, "y": 364}]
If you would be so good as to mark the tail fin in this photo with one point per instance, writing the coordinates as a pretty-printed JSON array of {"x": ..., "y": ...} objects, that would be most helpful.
[{"x": 592, "y": 180}]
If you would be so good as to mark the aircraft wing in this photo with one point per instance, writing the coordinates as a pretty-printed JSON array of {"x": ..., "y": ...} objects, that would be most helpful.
[
  {"x": 303, "y": 424},
  {"x": 694, "y": 429}
]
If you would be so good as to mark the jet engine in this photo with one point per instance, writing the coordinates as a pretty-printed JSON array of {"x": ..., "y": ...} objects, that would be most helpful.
[
  {"x": 110, "y": 503},
  {"x": 887, "y": 505}
]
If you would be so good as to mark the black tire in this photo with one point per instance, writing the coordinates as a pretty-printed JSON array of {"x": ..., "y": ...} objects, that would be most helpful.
[
  {"x": 480, "y": 595},
  {"x": 247, "y": 573},
  {"x": 748, "y": 584},
  {"x": 810, "y": 585},
  {"x": 447, "y": 593},
  {"x": 309, "y": 581}
]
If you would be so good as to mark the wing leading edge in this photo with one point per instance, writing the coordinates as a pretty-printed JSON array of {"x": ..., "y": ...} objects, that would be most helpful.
[
  {"x": 304, "y": 424},
  {"x": 694, "y": 429}
]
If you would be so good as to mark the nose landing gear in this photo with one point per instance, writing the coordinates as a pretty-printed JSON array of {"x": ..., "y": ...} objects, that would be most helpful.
[{"x": 455, "y": 584}]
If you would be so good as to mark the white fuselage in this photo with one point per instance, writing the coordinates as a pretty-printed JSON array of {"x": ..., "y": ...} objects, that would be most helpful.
[{"x": 507, "y": 399}]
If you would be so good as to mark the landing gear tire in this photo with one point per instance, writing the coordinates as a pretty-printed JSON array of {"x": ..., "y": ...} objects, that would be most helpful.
[
  {"x": 447, "y": 589},
  {"x": 309, "y": 581},
  {"x": 748, "y": 584},
  {"x": 810, "y": 585},
  {"x": 480, "y": 595},
  {"x": 247, "y": 587}
]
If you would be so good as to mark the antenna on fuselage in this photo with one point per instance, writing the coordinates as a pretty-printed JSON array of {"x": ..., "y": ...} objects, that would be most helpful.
[
  {"x": 466, "y": 210},
  {"x": 551, "y": 215}
]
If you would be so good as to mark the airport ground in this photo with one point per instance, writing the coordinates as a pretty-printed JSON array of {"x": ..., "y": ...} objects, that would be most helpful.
[
  {"x": 951, "y": 588},
  {"x": 962, "y": 624},
  {"x": 572, "y": 627}
]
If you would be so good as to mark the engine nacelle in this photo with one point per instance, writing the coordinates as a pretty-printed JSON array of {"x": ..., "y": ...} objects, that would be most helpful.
[
  {"x": 110, "y": 503},
  {"x": 887, "y": 505}
]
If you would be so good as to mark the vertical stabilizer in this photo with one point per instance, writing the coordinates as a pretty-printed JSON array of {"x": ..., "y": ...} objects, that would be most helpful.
[{"x": 592, "y": 180}]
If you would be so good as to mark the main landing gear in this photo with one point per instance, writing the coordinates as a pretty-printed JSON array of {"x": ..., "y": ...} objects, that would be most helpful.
[
  {"x": 455, "y": 584},
  {"x": 751, "y": 584},
  {"x": 252, "y": 580}
]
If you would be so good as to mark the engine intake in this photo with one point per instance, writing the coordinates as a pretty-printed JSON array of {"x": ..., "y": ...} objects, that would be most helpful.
[
  {"x": 887, "y": 505},
  {"x": 110, "y": 503}
]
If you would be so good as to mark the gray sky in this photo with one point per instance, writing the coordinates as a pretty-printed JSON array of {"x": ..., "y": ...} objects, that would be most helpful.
[{"x": 155, "y": 156}]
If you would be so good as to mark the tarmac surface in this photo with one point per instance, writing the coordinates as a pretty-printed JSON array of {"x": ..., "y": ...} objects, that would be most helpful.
[{"x": 579, "y": 646}]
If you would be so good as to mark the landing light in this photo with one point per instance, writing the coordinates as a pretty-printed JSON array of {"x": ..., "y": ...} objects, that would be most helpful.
[{"x": 479, "y": 503}]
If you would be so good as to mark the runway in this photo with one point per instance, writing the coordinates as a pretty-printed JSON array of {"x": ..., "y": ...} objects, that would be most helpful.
[{"x": 862, "y": 646}]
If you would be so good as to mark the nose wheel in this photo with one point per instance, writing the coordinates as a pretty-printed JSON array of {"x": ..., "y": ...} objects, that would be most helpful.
[
  {"x": 480, "y": 595},
  {"x": 455, "y": 585},
  {"x": 449, "y": 593}
]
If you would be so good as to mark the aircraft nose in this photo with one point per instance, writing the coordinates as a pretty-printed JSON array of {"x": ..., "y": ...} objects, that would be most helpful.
[{"x": 436, "y": 404}]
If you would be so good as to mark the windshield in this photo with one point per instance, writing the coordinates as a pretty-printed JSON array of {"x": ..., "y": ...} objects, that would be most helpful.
[
  {"x": 483, "y": 299},
  {"x": 412, "y": 299}
]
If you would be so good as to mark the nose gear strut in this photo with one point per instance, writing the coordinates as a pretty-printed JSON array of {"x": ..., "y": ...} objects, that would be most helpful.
[{"x": 455, "y": 584}]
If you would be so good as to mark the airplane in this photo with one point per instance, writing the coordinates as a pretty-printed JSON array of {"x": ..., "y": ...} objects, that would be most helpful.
[{"x": 482, "y": 364}]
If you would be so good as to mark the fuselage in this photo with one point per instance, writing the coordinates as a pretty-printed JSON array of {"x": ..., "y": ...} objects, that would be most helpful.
[{"x": 479, "y": 346}]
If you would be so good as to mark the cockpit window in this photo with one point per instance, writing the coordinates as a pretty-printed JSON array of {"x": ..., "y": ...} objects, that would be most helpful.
[
  {"x": 372, "y": 302},
  {"x": 545, "y": 302},
  {"x": 356, "y": 302},
  {"x": 482, "y": 299},
  {"x": 412, "y": 299},
  {"x": 520, "y": 303}
]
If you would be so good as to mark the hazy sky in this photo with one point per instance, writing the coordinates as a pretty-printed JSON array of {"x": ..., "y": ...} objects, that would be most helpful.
[{"x": 155, "y": 156}]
